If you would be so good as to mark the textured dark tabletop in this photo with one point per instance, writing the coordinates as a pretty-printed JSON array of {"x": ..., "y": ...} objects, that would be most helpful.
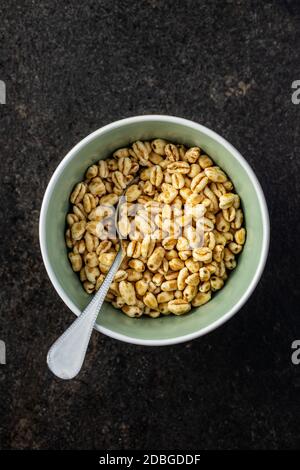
[{"x": 71, "y": 67}]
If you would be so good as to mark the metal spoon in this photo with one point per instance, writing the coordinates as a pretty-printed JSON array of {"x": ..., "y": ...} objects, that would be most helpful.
[{"x": 66, "y": 355}]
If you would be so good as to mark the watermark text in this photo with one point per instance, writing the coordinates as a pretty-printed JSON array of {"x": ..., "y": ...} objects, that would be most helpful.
[{"x": 2, "y": 92}]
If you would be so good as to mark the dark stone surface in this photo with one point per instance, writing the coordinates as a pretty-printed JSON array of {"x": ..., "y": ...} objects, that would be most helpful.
[{"x": 71, "y": 67}]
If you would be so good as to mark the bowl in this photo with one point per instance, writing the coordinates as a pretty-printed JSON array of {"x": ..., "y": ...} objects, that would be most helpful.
[{"x": 169, "y": 329}]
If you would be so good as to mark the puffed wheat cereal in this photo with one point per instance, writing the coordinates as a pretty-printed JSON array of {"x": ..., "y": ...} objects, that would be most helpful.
[{"x": 182, "y": 228}]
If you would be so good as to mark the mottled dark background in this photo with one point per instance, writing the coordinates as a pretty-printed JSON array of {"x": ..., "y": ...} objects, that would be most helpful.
[{"x": 71, "y": 67}]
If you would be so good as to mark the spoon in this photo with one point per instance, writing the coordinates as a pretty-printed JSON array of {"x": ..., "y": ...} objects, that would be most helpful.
[{"x": 66, "y": 355}]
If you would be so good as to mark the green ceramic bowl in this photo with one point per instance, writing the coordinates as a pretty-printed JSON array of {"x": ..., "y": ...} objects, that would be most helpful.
[{"x": 171, "y": 329}]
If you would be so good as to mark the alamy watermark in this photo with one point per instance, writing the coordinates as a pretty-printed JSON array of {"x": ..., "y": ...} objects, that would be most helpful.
[
  {"x": 2, "y": 92},
  {"x": 296, "y": 93},
  {"x": 2, "y": 352},
  {"x": 295, "y": 357},
  {"x": 2, "y": 101},
  {"x": 153, "y": 220}
]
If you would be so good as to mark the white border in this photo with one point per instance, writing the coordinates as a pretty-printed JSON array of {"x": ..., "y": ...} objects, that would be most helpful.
[{"x": 263, "y": 208}]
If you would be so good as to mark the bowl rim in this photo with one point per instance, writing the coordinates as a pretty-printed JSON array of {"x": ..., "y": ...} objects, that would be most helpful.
[{"x": 244, "y": 164}]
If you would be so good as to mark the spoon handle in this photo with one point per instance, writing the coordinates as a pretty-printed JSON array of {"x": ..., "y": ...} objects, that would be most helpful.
[{"x": 66, "y": 355}]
